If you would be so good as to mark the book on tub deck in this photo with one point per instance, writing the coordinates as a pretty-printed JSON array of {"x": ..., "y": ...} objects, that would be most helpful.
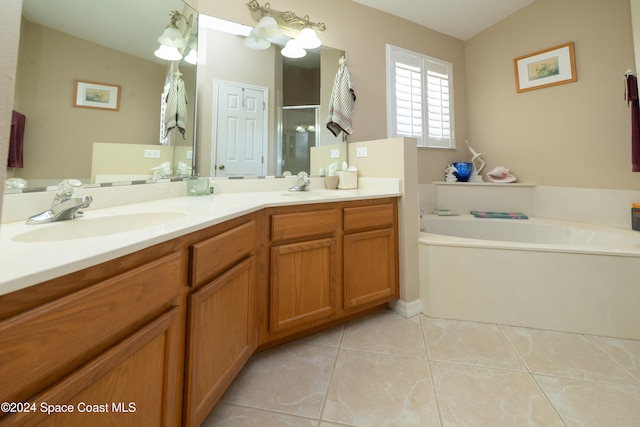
[{"x": 501, "y": 215}]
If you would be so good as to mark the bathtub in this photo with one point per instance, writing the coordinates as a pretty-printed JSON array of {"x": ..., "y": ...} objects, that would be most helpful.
[{"x": 539, "y": 273}]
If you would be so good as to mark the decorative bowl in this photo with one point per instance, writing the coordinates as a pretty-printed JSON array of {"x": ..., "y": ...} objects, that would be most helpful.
[{"x": 464, "y": 171}]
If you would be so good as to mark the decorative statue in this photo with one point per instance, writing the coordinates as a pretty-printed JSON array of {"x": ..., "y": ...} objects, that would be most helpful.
[
  {"x": 477, "y": 167},
  {"x": 449, "y": 173}
]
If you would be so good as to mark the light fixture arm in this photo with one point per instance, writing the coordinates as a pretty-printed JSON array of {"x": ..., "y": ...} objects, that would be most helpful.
[
  {"x": 176, "y": 16},
  {"x": 286, "y": 19}
]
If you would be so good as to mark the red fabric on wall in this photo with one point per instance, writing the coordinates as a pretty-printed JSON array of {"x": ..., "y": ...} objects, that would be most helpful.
[
  {"x": 16, "y": 140},
  {"x": 634, "y": 103}
]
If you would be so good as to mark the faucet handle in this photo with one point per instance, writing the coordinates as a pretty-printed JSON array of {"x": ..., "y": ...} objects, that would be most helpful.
[
  {"x": 303, "y": 178},
  {"x": 68, "y": 188}
]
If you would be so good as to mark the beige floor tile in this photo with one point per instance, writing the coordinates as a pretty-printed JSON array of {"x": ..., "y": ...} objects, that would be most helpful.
[
  {"x": 377, "y": 390},
  {"x": 324, "y": 424},
  {"x": 566, "y": 355},
  {"x": 625, "y": 352},
  {"x": 483, "y": 397},
  {"x": 236, "y": 416},
  {"x": 292, "y": 378},
  {"x": 470, "y": 343},
  {"x": 385, "y": 332},
  {"x": 328, "y": 338},
  {"x": 585, "y": 404}
]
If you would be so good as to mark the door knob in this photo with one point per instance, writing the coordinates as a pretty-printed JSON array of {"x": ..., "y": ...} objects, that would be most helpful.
[{"x": 220, "y": 167}]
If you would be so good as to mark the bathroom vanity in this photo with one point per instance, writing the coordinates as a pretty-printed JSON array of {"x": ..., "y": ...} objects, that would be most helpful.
[{"x": 156, "y": 335}]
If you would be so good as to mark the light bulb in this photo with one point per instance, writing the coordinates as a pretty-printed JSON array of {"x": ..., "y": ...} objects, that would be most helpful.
[{"x": 293, "y": 50}]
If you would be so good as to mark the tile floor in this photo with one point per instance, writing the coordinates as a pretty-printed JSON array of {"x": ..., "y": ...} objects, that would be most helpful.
[{"x": 385, "y": 370}]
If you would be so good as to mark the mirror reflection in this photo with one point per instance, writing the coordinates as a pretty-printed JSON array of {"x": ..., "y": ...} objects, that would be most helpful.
[
  {"x": 103, "y": 45},
  {"x": 269, "y": 112}
]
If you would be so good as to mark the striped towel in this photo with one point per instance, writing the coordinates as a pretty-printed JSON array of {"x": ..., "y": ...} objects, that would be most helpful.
[
  {"x": 341, "y": 106},
  {"x": 176, "y": 112},
  {"x": 501, "y": 215}
]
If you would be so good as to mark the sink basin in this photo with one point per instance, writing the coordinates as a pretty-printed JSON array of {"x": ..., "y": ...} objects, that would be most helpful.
[{"x": 84, "y": 227}]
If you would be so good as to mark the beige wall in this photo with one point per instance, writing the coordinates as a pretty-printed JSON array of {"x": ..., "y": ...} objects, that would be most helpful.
[
  {"x": 56, "y": 132},
  {"x": 113, "y": 159},
  {"x": 573, "y": 135},
  {"x": 363, "y": 33}
]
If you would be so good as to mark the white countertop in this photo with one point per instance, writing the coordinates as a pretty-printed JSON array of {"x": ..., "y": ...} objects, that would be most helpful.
[{"x": 24, "y": 264}]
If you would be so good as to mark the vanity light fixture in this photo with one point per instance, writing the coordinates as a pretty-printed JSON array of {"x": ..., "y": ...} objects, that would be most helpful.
[
  {"x": 192, "y": 56},
  {"x": 267, "y": 28},
  {"x": 308, "y": 38},
  {"x": 255, "y": 42},
  {"x": 293, "y": 49},
  {"x": 302, "y": 30},
  {"x": 172, "y": 40}
]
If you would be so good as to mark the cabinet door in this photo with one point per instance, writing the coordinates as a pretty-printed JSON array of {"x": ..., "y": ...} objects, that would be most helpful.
[
  {"x": 40, "y": 346},
  {"x": 221, "y": 336},
  {"x": 369, "y": 267},
  {"x": 131, "y": 384},
  {"x": 304, "y": 280}
]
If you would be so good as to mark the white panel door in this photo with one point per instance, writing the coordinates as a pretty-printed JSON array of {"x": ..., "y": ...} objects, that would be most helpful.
[{"x": 240, "y": 136}]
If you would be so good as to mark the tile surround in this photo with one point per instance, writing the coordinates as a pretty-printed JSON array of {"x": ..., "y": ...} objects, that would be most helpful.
[{"x": 385, "y": 370}]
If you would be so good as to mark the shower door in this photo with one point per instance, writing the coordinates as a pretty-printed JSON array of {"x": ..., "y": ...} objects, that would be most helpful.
[{"x": 297, "y": 134}]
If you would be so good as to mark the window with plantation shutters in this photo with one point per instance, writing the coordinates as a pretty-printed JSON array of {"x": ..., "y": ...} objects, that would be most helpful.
[{"x": 420, "y": 98}]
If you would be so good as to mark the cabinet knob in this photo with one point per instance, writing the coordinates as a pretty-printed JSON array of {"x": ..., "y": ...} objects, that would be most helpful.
[{"x": 220, "y": 167}]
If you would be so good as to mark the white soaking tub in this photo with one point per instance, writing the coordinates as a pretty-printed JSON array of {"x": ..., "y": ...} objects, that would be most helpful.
[{"x": 541, "y": 273}]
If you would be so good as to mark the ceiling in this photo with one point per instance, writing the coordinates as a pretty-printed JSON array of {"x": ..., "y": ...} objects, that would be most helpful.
[
  {"x": 462, "y": 19},
  {"x": 113, "y": 23}
]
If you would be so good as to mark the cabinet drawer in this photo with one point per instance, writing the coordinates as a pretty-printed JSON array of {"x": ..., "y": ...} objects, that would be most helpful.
[
  {"x": 213, "y": 256},
  {"x": 367, "y": 217},
  {"x": 139, "y": 370},
  {"x": 303, "y": 224},
  {"x": 40, "y": 345}
]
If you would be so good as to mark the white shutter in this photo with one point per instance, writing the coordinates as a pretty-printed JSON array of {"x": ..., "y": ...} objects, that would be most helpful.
[
  {"x": 439, "y": 116},
  {"x": 420, "y": 98}
]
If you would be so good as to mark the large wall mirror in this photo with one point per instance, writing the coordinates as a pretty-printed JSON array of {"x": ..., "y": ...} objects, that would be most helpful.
[
  {"x": 113, "y": 43},
  {"x": 264, "y": 114},
  {"x": 110, "y": 42}
]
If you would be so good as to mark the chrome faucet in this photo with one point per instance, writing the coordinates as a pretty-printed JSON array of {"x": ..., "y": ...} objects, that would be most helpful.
[
  {"x": 66, "y": 204},
  {"x": 303, "y": 184}
]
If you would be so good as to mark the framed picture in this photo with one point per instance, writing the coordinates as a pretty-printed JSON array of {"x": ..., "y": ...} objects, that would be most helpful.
[
  {"x": 549, "y": 67},
  {"x": 102, "y": 96}
]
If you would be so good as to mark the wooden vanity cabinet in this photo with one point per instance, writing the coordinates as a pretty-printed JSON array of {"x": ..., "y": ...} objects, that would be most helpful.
[
  {"x": 304, "y": 266},
  {"x": 112, "y": 346},
  {"x": 221, "y": 322},
  {"x": 154, "y": 338},
  {"x": 327, "y": 262},
  {"x": 370, "y": 266}
]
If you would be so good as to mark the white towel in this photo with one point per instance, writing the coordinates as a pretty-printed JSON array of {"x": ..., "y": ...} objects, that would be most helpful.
[
  {"x": 342, "y": 103},
  {"x": 176, "y": 112}
]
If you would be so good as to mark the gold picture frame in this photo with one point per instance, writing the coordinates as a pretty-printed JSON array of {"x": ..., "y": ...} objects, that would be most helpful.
[
  {"x": 101, "y": 96},
  {"x": 545, "y": 68}
]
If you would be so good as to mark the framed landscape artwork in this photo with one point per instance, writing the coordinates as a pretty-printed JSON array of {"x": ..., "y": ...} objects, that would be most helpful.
[
  {"x": 101, "y": 96},
  {"x": 549, "y": 67}
]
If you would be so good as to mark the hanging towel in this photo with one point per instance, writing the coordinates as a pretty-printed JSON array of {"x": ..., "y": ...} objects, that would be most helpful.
[
  {"x": 341, "y": 106},
  {"x": 633, "y": 101},
  {"x": 176, "y": 112},
  {"x": 500, "y": 215},
  {"x": 16, "y": 140}
]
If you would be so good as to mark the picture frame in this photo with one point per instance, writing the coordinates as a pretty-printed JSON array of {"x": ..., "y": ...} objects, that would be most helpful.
[
  {"x": 101, "y": 96},
  {"x": 545, "y": 68}
]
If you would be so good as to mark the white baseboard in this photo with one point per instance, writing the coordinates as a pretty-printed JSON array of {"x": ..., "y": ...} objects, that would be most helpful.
[{"x": 406, "y": 309}]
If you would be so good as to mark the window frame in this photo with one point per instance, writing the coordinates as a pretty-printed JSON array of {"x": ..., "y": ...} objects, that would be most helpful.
[{"x": 424, "y": 65}]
